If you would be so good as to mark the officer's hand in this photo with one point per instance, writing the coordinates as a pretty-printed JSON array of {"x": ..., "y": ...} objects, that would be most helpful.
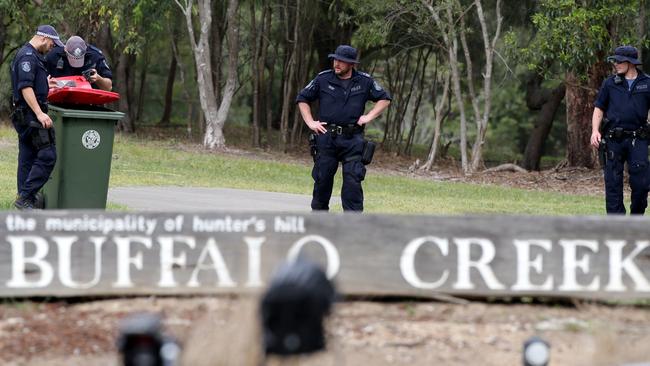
[
  {"x": 317, "y": 126},
  {"x": 595, "y": 139},
  {"x": 51, "y": 83},
  {"x": 94, "y": 76},
  {"x": 363, "y": 120},
  {"x": 45, "y": 120}
]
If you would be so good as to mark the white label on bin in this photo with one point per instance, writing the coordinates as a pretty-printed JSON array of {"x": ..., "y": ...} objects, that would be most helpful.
[{"x": 90, "y": 139}]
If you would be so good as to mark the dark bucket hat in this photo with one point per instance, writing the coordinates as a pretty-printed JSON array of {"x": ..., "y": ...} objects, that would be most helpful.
[
  {"x": 345, "y": 53},
  {"x": 625, "y": 54},
  {"x": 49, "y": 32}
]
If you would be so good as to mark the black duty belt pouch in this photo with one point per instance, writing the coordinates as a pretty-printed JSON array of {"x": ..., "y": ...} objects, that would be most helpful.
[
  {"x": 368, "y": 152},
  {"x": 41, "y": 137},
  {"x": 602, "y": 153}
]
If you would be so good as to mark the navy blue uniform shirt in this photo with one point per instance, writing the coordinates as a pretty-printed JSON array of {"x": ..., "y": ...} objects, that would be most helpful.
[
  {"x": 28, "y": 71},
  {"x": 340, "y": 105},
  {"x": 58, "y": 65},
  {"x": 626, "y": 108}
]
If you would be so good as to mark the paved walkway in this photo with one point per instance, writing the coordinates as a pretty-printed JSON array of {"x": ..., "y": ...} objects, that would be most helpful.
[{"x": 206, "y": 199}]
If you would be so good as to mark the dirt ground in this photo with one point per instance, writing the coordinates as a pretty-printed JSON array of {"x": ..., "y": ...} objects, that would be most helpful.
[{"x": 222, "y": 331}]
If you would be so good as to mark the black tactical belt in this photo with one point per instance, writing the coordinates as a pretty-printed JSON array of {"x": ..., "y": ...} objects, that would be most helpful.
[
  {"x": 619, "y": 133},
  {"x": 347, "y": 129}
]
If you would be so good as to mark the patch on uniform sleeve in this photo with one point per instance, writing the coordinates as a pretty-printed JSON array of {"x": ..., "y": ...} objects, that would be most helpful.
[
  {"x": 377, "y": 86},
  {"x": 26, "y": 66}
]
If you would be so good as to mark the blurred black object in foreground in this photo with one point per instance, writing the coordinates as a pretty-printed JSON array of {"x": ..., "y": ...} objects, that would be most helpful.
[
  {"x": 142, "y": 342},
  {"x": 293, "y": 308}
]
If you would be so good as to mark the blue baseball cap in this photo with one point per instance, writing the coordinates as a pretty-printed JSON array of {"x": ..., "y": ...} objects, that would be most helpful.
[
  {"x": 625, "y": 54},
  {"x": 49, "y": 32},
  {"x": 345, "y": 53}
]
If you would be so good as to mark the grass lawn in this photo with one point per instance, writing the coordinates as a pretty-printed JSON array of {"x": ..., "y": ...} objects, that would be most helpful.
[{"x": 142, "y": 162}]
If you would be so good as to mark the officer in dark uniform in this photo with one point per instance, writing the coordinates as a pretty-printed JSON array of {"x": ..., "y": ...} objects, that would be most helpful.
[
  {"x": 30, "y": 84},
  {"x": 342, "y": 93},
  {"x": 79, "y": 58},
  {"x": 624, "y": 100}
]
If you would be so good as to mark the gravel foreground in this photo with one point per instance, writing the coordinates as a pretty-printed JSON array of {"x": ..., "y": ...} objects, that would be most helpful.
[{"x": 223, "y": 331}]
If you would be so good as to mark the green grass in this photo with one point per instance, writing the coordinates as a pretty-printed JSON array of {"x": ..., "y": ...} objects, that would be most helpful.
[{"x": 142, "y": 162}]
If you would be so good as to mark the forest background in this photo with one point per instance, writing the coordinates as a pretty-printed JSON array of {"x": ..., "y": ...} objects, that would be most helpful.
[{"x": 474, "y": 83}]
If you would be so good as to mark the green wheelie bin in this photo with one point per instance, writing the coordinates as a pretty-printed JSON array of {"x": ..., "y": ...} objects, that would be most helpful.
[{"x": 84, "y": 146}]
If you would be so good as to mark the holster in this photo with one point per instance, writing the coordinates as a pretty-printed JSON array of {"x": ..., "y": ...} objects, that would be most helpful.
[
  {"x": 368, "y": 152},
  {"x": 18, "y": 116},
  {"x": 643, "y": 132},
  {"x": 313, "y": 149}
]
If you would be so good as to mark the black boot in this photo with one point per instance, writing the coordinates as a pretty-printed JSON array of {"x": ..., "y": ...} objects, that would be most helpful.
[{"x": 23, "y": 203}]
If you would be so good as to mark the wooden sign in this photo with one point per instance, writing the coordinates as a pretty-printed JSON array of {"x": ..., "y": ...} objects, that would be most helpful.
[{"x": 65, "y": 253}]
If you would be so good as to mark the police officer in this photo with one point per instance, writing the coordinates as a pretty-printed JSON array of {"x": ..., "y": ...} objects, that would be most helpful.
[
  {"x": 30, "y": 84},
  {"x": 342, "y": 93},
  {"x": 624, "y": 100},
  {"x": 79, "y": 58}
]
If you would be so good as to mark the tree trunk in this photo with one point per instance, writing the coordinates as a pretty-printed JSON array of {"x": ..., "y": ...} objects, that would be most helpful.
[
  {"x": 439, "y": 117},
  {"x": 124, "y": 81},
  {"x": 416, "y": 107},
  {"x": 489, "y": 49},
  {"x": 231, "y": 82},
  {"x": 143, "y": 84},
  {"x": 451, "y": 43},
  {"x": 264, "y": 104},
  {"x": 186, "y": 93},
  {"x": 256, "y": 50},
  {"x": 268, "y": 98},
  {"x": 215, "y": 117},
  {"x": 217, "y": 34},
  {"x": 547, "y": 102},
  {"x": 579, "y": 99},
  {"x": 289, "y": 73},
  {"x": 169, "y": 91}
]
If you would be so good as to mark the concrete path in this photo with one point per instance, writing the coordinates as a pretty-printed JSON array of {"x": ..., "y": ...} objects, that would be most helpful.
[{"x": 206, "y": 199}]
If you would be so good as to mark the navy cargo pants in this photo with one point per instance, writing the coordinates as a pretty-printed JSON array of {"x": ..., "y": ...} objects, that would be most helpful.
[
  {"x": 635, "y": 153},
  {"x": 35, "y": 160},
  {"x": 331, "y": 149}
]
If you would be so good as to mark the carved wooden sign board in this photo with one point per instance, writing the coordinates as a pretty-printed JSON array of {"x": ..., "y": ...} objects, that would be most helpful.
[{"x": 91, "y": 253}]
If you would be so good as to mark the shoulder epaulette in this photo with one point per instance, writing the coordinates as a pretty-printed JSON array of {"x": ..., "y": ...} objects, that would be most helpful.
[
  {"x": 325, "y": 72},
  {"x": 364, "y": 74}
]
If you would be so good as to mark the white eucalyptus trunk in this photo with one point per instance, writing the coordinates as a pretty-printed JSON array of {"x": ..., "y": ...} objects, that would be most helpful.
[
  {"x": 490, "y": 49},
  {"x": 215, "y": 116},
  {"x": 440, "y": 106}
]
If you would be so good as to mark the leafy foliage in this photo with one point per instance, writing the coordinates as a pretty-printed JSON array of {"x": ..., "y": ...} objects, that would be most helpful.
[{"x": 578, "y": 34}]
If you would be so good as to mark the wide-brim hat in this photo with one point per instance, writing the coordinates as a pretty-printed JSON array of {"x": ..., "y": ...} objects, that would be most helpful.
[
  {"x": 345, "y": 53},
  {"x": 625, "y": 54}
]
